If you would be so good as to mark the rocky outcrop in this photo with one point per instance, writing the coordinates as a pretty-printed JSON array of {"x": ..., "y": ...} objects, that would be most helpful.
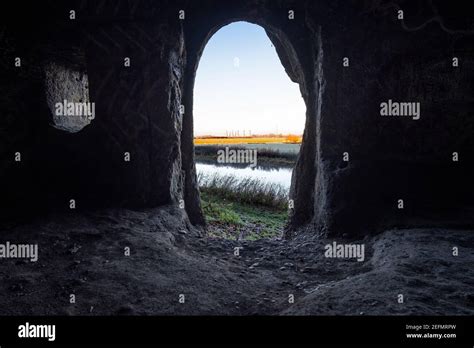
[
  {"x": 88, "y": 259},
  {"x": 141, "y": 58},
  {"x": 64, "y": 88}
]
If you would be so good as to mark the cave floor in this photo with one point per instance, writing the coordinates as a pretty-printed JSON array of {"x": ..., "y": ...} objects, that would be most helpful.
[{"x": 86, "y": 254}]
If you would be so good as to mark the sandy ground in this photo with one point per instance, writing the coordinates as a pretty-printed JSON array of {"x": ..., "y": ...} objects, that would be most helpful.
[{"x": 84, "y": 254}]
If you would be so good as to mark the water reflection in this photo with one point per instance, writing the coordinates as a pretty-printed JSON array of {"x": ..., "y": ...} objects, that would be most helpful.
[{"x": 274, "y": 175}]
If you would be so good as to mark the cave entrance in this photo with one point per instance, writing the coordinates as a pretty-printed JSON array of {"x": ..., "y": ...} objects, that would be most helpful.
[{"x": 249, "y": 119}]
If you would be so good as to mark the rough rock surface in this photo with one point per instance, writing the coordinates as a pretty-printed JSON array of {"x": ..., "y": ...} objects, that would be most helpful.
[
  {"x": 138, "y": 112},
  {"x": 138, "y": 107},
  {"x": 166, "y": 259},
  {"x": 62, "y": 84}
]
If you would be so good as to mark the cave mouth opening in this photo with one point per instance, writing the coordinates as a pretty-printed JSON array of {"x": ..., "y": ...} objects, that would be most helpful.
[{"x": 249, "y": 119}]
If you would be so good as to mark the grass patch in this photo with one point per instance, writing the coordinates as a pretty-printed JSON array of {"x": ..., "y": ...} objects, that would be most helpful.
[
  {"x": 246, "y": 190},
  {"x": 234, "y": 220},
  {"x": 220, "y": 211}
]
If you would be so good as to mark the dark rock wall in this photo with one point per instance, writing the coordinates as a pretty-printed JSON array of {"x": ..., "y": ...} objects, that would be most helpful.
[
  {"x": 396, "y": 158},
  {"x": 137, "y": 107}
]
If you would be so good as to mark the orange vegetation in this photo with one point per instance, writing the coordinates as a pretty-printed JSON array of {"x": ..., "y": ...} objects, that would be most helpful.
[{"x": 258, "y": 139}]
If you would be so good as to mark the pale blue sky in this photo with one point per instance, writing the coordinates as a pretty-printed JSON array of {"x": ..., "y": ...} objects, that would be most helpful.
[{"x": 242, "y": 85}]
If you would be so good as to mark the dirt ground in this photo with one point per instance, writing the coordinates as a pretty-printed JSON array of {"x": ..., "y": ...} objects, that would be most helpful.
[{"x": 85, "y": 254}]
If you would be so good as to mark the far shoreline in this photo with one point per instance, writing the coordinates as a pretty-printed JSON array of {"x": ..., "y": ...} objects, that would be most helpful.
[{"x": 267, "y": 157}]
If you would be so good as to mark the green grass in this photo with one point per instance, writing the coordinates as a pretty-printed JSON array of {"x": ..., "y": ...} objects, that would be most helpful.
[
  {"x": 220, "y": 211},
  {"x": 235, "y": 220}
]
